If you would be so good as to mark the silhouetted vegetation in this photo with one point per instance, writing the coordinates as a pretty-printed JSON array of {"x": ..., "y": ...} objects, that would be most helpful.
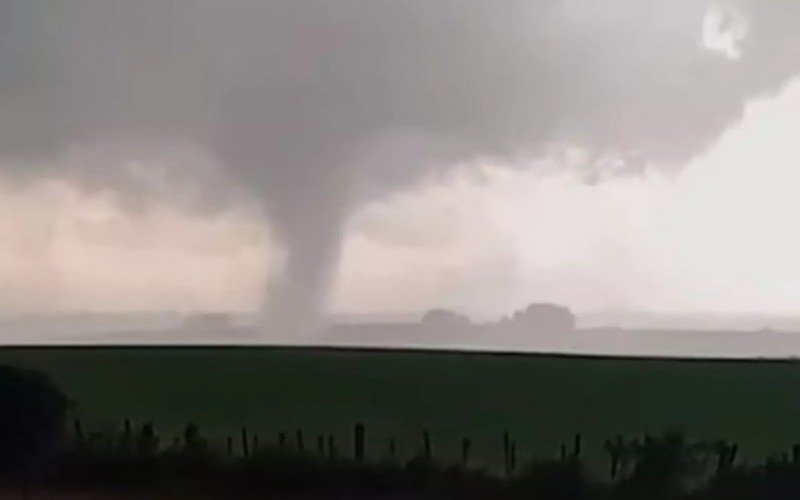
[
  {"x": 666, "y": 466},
  {"x": 32, "y": 419},
  {"x": 38, "y": 453}
]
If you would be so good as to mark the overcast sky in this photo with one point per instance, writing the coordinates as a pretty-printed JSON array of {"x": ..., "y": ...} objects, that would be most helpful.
[{"x": 396, "y": 156}]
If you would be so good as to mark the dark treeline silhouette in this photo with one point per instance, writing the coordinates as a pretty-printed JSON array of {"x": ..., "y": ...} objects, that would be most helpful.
[{"x": 39, "y": 454}]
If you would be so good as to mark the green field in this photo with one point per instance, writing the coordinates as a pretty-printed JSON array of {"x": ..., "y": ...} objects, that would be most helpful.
[{"x": 542, "y": 400}]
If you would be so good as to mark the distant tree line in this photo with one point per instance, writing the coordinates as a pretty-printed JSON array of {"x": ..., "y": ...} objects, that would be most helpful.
[{"x": 539, "y": 316}]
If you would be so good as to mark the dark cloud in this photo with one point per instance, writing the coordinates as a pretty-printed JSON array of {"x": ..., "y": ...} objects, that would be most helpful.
[{"x": 313, "y": 105}]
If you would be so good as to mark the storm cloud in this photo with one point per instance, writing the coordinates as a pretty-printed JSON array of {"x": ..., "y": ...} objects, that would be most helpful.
[{"x": 314, "y": 107}]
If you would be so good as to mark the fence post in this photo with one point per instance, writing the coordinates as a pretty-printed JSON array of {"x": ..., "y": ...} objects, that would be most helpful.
[
  {"x": 506, "y": 452},
  {"x": 331, "y": 447},
  {"x": 465, "y": 446},
  {"x": 426, "y": 438},
  {"x": 245, "y": 444},
  {"x": 358, "y": 436}
]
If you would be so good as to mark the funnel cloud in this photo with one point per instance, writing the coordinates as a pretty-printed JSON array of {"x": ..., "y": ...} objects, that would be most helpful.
[{"x": 313, "y": 108}]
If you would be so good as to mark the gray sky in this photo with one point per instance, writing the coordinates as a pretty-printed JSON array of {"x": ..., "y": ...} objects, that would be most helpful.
[{"x": 392, "y": 156}]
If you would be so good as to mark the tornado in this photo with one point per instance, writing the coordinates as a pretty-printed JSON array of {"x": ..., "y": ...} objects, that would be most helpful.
[{"x": 315, "y": 107}]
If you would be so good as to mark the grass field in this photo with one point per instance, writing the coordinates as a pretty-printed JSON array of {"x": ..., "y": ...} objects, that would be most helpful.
[{"x": 542, "y": 400}]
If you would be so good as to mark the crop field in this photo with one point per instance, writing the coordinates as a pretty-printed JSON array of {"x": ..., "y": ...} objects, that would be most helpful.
[{"x": 541, "y": 400}]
